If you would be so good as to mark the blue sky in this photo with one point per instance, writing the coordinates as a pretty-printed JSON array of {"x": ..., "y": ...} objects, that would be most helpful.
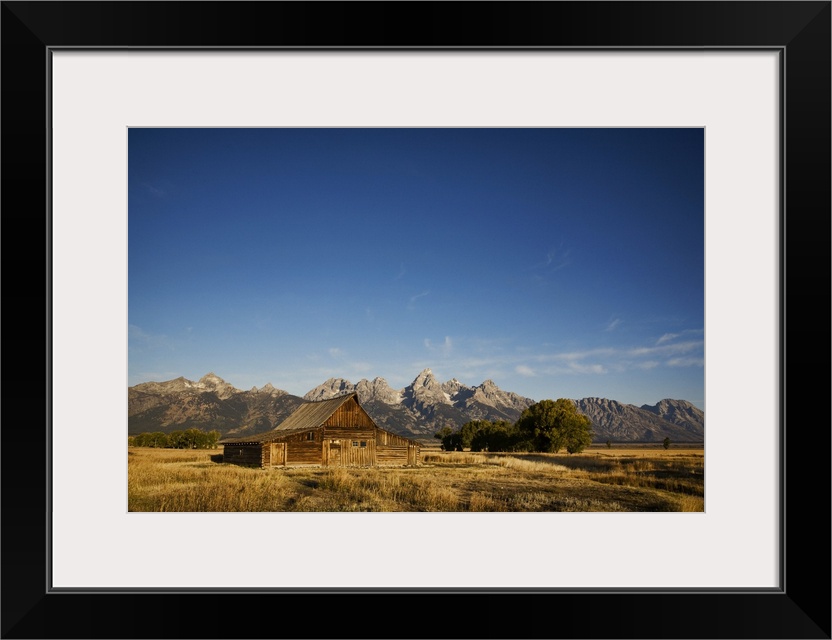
[{"x": 560, "y": 263}]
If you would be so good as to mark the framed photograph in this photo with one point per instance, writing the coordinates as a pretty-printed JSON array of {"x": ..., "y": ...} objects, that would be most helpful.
[{"x": 85, "y": 85}]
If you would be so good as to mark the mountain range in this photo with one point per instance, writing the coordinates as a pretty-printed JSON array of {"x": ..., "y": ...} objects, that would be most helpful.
[{"x": 417, "y": 411}]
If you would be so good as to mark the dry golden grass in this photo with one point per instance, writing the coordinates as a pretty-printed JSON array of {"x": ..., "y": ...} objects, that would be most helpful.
[{"x": 638, "y": 479}]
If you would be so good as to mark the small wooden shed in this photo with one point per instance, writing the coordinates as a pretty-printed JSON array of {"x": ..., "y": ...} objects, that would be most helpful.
[{"x": 332, "y": 433}]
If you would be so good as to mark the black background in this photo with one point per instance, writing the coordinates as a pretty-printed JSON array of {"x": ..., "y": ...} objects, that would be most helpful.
[{"x": 800, "y": 609}]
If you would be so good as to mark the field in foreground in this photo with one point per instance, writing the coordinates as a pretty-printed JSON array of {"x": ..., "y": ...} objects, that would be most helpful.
[{"x": 599, "y": 479}]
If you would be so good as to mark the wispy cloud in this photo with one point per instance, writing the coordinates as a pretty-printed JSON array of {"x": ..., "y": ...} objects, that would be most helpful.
[
  {"x": 153, "y": 376},
  {"x": 139, "y": 338},
  {"x": 589, "y": 362},
  {"x": 554, "y": 260},
  {"x": 540, "y": 272},
  {"x": 571, "y": 356},
  {"x": 686, "y": 362},
  {"x": 411, "y": 304},
  {"x": 595, "y": 368},
  {"x": 612, "y": 324},
  {"x": 669, "y": 337},
  {"x": 360, "y": 367},
  {"x": 665, "y": 352},
  {"x": 524, "y": 370},
  {"x": 666, "y": 349},
  {"x": 336, "y": 352},
  {"x": 154, "y": 191},
  {"x": 443, "y": 348}
]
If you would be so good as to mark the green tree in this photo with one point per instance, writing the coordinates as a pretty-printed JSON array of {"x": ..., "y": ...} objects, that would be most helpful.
[
  {"x": 155, "y": 439},
  {"x": 666, "y": 443},
  {"x": 176, "y": 440},
  {"x": 495, "y": 436},
  {"x": 469, "y": 431},
  {"x": 451, "y": 440},
  {"x": 455, "y": 442},
  {"x": 444, "y": 436},
  {"x": 194, "y": 438},
  {"x": 551, "y": 425},
  {"x": 158, "y": 439},
  {"x": 211, "y": 439},
  {"x": 578, "y": 434}
]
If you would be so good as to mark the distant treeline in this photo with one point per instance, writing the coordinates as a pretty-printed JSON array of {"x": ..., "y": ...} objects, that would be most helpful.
[
  {"x": 547, "y": 426},
  {"x": 483, "y": 435},
  {"x": 187, "y": 439}
]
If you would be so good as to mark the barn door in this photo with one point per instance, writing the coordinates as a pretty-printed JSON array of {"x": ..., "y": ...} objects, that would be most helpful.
[
  {"x": 278, "y": 454},
  {"x": 359, "y": 453},
  {"x": 334, "y": 457}
]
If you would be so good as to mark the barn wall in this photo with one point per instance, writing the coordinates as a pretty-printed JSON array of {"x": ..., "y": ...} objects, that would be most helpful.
[
  {"x": 387, "y": 455},
  {"x": 350, "y": 455},
  {"x": 350, "y": 414},
  {"x": 395, "y": 450},
  {"x": 243, "y": 454},
  {"x": 398, "y": 455},
  {"x": 413, "y": 453},
  {"x": 354, "y": 455},
  {"x": 301, "y": 451},
  {"x": 274, "y": 454},
  {"x": 344, "y": 431},
  {"x": 349, "y": 433}
]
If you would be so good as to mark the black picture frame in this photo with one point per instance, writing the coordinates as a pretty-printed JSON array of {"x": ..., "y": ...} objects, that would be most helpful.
[{"x": 800, "y": 31}]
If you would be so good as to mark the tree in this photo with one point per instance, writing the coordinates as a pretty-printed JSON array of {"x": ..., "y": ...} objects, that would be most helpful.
[
  {"x": 155, "y": 439},
  {"x": 451, "y": 440},
  {"x": 194, "y": 438},
  {"x": 442, "y": 435},
  {"x": 176, "y": 440},
  {"x": 469, "y": 431},
  {"x": 494, "y": 436},
  {"x": 553, "y": 425},
  {"x": 212, "y": 437},
  {"x": 609, "y": 444},
  {"x": 578, "y": 435},
  {"x": 666, "y": 443}
]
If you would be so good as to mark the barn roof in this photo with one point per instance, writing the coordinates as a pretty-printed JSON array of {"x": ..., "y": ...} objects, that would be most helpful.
[
  {"x": 310, "y": 415},
  {"x": 314, "y": 414},
  {"x": 274, "y": 434}
]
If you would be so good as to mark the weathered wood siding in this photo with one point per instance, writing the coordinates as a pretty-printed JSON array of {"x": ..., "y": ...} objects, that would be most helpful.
[
  {"x": 395, "y": 450},
  {"x": 300, "y": 450},
  {"x": 274, "y": 454},
  {"x": 349, "y": 447},
  {"x": 358, "y": 453},
  {"x": 244, "y": 454},
  {"x": 350, "y": 414},
  {"x": 349, "y": 437}
]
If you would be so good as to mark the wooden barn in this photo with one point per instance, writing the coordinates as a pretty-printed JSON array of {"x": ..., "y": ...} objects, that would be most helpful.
[{"x": 330, "y": 433}]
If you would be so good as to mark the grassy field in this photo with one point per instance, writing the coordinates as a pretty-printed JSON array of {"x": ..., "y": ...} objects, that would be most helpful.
[{"x": 636, "y": 478}]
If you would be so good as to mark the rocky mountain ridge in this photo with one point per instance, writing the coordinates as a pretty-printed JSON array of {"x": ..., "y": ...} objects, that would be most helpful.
[
  {"x": 417, "y": 411},
  {"x": 615, "y": 421}
]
